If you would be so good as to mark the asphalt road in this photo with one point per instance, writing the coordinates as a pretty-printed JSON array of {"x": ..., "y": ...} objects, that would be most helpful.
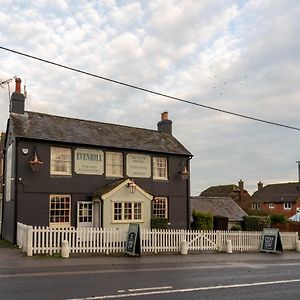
[{"x": 201, "y": 276}]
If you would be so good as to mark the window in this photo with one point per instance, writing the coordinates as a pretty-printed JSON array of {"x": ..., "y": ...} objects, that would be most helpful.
[
  {"x": 287, "y": 205},
  {"x": 114, "y": 164},
  {"x": 160, "y": 168},
  {"x": 84, "y": 214},
  {"x": 255, "y": 206},
  {"x": 127, "y": 211},
  {"x": 60, "y": 210},
  {"x": 60, "y": 161},
  {"x": 160, "y": 207},
  {"x": 271, "y": 205}
]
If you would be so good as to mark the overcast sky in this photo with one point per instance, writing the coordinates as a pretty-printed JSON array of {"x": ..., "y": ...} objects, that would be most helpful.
[{"x": 241, "y": 56}]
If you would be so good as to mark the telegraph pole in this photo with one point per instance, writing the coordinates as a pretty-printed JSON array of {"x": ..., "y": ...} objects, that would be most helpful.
[{"x": 298, "y": 162}]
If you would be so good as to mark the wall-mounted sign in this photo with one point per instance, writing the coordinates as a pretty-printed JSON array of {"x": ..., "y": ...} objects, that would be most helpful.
[
  {"x": 138, "y": 165},
  {"x": 90, "y": 162},
  {"x": 271, "y": 240}
]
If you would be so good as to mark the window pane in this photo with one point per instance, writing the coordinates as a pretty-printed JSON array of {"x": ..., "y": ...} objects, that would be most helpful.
[
  {"x": 160, "y": 168},
  {"x": 114, "y": 164},
  {"x": 60, "y": 161},
  {"x": 59, "y": 209},
  {"x": 159, "y": 208}
]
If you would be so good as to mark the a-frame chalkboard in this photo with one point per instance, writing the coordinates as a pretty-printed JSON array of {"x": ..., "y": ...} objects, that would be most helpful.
[
  {"x": 271, "y": 240},
  {"x": 133, "y": 244}
]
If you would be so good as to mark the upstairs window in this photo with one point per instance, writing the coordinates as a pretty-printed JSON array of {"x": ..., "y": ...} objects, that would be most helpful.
[
  {"x": 114, "y": 164},
  {"x": 160, "y": 168},
  {"x": 271, "y": 205},
  {"x": 287, "y": 205},
  {"x": 61, "y": 163},
  {"x": 255, "y": 206}
]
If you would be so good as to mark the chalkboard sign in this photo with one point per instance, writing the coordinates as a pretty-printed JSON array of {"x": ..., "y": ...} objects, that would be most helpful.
[
  {"x": 133, "y": 245},
  {"x": 271, "y": 240}
]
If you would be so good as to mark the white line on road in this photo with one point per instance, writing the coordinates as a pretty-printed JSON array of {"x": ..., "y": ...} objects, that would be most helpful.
[
  {"x": 189, "y": 290},
  {"x": 150, "y": 289}
]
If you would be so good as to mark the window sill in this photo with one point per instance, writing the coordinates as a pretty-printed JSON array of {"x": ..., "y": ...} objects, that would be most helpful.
[{"x": 127, "y": 221}]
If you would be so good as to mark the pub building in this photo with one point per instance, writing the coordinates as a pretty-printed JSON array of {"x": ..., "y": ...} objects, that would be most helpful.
[{"x": 63, "y": 172}]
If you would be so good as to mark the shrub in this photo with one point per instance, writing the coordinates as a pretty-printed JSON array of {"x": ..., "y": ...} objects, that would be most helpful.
[
  {"x": 236, "y": 228},
  {"x": 256, "y": 223},
  {"x": 220, "y": 223},
  {"x": 159, "y": 223},
  {"x": 278, "y": 218},
  {"x": 202, "y": 221}
]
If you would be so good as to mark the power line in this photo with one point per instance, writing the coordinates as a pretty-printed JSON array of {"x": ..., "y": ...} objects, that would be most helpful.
[{"x": 150, "y": 91}]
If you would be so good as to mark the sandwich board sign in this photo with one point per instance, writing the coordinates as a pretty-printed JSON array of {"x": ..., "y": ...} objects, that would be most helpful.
[
  {"x": 133, "y": 244},
  {"x": 271, "y": 240}
]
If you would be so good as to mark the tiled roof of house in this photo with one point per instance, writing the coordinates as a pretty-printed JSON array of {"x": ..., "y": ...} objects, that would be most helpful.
[
  {"x": 221, "y": 190},
  {"x": 68, "y": 130},
  {"x": 218, "y": 206},
  {"x": 278, "y": 193}
]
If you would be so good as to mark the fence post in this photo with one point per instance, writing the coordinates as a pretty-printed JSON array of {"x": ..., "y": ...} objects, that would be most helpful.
[{"x": 29, "y": 240}]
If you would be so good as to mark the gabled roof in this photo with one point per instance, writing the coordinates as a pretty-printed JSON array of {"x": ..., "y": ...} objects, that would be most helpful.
[
  {"x": 278, "y": 193},
  {"x": 218, "y": 206},
  {"x": 221, "y": 190},
  {"x": 68, "y": 130}
]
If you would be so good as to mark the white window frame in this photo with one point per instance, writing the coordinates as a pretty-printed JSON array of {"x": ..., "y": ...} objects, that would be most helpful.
[
  {"x": 65, "y": 220},
  {"x": 255, "y": 206},
  {"x": 61, "y": 157},
  {"x": 114, "y": 164},
  {"x": 160, "y": 168},
  {"x": 127, "y": 212},
  {"x": 160, "y": 204},
  {"x": 85, "y": 211},
  {"x": 271, "y": 205},
  {"x": 287, "y": 205}
]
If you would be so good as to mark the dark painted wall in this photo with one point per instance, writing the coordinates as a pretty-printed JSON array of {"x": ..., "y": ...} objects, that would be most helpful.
[{"x": 34, "y": 188}]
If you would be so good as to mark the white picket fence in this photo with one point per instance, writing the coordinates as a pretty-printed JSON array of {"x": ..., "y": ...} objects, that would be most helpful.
[{"x": 45, "y": 240}]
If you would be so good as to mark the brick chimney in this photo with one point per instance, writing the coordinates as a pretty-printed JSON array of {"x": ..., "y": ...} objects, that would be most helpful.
[
  {"x": 241, "y": 185},
  {"x": 17, "y": 100},
  {"x": 165, "y": 125},
  {"x": 260, "y": 186}
]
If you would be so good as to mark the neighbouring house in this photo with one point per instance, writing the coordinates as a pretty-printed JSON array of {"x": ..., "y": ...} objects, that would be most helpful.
[
  {"x": 219, "y": 206},
  {"x": 62, "y": 172},
  {"x": 2, "y": 138},
  {"x": 237, "y": 192},
  {"x": 279, "y": 198}
]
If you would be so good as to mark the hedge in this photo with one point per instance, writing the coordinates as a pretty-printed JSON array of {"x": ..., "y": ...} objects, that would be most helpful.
[
  {"x": 256, "y": 223},
  {"x": 159, "y": 223},
  {"x": 202, "y": 221}
]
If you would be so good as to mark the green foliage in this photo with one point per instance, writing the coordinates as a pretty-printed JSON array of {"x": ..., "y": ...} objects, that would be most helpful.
[
  {"x": 236, "y": 228},
  {"x": 256, "y": 223},
  {"x": 278, "y": 219},
  {"x": 202, "y": 221},
  {"x": 220, "y": 223},
  {"x": 159, "y": 223}
]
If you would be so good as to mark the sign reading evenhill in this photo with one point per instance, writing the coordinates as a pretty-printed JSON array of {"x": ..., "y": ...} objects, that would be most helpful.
[
  {"x": 89, "y": 162},
  {"x": 271, "y": 240},
  {"x": 133, "y": 245}
]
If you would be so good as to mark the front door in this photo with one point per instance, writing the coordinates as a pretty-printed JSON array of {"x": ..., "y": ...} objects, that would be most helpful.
[{"x": 84, "y": 214}]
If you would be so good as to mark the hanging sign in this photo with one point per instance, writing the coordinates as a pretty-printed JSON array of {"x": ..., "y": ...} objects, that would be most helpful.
[
  {"x": 271, "y": 240},
  {"x": 133, "y": 244},
  {"x": 88, "y": 161}
]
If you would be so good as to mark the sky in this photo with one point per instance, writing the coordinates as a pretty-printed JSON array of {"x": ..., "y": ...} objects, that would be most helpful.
[{"x": 239, "y": 56}]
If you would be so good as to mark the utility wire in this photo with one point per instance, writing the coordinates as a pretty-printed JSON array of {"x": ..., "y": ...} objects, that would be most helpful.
[{"x": 150, "y": 91}]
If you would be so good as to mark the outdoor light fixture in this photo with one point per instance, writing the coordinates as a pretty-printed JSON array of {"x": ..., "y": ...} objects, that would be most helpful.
[
  {"x": 185, "y": 174},
  {"x": 132, "y": 186},
  {"x": 35, "y": 163}
]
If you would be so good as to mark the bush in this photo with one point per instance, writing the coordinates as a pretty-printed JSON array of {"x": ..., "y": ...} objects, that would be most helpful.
[
  {"x": 256, "y": 223},
  {"x": 220, "y": 223},
  {"x": 278, "y": 219},
  {"x": 236, "y": 228},
  {"x": 159, "y": 223},
  {"x": 202, "y": 221}
]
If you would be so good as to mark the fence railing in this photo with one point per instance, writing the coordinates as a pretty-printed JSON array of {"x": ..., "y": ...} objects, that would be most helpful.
[{"x": 45, "y": 240}]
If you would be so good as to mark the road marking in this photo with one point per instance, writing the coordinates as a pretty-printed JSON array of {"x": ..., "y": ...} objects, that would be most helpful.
[
  {"x": 207, "y": 288},
  {"x": 150, "y": 289}
]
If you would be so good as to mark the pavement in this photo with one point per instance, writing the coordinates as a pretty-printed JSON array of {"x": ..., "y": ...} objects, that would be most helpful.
[{"x": 13, "y": 257}]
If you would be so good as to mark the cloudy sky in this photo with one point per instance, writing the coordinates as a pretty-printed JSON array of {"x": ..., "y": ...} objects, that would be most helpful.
[{"x": 241, "y": 56}]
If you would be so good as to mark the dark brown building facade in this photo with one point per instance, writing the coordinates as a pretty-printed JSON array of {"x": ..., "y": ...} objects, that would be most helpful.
[{"x": 62, "y": 172}]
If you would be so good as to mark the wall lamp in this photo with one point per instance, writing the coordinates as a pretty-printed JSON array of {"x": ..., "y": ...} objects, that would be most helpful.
[
  {"x": 35, "y": 163},
  {"x": 185, "y": 174},
  {"x": 132, "y": 186}
]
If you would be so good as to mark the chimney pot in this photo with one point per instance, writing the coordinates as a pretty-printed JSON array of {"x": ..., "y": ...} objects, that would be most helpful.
[
  {"x": 18, "y": 85},
  {"x": 241, "y": 185},
  {"x": 164, "y": 116},
  {"x": 260, "y": 185}
]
